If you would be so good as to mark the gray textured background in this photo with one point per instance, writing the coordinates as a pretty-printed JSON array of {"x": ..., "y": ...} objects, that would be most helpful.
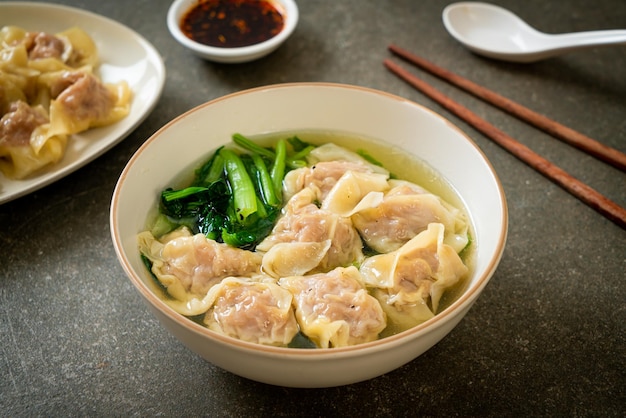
[{"x": 545, "y": 338}]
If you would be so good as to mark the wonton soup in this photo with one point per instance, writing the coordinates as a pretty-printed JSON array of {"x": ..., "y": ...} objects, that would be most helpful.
[{"x": 309, "y": 239}]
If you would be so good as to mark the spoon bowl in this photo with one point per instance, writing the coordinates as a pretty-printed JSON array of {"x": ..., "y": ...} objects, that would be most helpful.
[{"x": 495, "y": 32}]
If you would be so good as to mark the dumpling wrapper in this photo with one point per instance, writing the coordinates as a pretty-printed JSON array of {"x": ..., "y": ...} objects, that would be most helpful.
[
  {"x": 332, "y": 152},
  {"x": 405, "y": 211},
  {"x": 85, "y": 102},
  {"x": 18, "y": 157},
  {"x": 257, "y": 312},
  {"x": 334, "y": 308},
  {"x": 348, "y": 194},
  {"x": 294, "y": 258},
  {"x": 328, "y": 240},
  {"x": 327, "y": 164},
  {"x": 410, "y": 281},
  {"x": 188, "y": 266}
]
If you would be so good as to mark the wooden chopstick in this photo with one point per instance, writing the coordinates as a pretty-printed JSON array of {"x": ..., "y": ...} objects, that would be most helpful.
[
  {"x": 586, "y": 194},
  {"x": 599, "y": 150}
]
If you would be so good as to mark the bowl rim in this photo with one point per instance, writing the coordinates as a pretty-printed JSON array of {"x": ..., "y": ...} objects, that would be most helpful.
[
  {"x": 460, "y": 305},
  {"x": 178, "y": 7}
]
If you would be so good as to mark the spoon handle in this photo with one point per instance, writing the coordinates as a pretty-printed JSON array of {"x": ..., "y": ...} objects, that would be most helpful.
[{"x": 588, "y": 39}]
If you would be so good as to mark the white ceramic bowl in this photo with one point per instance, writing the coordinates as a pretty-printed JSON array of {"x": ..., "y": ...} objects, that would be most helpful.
[
  {"x": 178, "y": 8},
  {"x": 188, "y": 139}
]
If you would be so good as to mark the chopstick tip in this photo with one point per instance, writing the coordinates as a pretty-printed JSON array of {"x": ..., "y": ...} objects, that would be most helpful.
[{"x": 388, "y": 63}]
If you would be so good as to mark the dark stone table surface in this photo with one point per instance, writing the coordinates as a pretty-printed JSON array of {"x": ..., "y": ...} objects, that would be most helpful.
[{"x": 546, "y": 338}]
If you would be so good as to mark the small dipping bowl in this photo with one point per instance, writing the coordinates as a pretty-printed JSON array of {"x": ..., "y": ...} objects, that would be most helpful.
[{"x": 179, "y": 8}]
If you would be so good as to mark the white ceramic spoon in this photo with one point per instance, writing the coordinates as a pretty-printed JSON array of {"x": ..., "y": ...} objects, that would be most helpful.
[{"x": 495, "y": 32}]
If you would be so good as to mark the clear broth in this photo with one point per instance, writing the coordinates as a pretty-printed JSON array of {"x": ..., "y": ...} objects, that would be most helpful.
[{"x": 413, "y": 169}]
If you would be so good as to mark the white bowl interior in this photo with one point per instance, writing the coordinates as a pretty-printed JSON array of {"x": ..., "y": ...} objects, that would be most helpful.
[
  {"x": 290, "y": 107},
  {"x": 232, "y": 55}
]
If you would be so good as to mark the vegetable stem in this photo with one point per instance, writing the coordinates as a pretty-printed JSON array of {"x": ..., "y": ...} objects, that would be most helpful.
[
  {"x": 268, "y": 191},
  {"x": 278, "y": 168},
  {"x": 251, "y": 146},
  {"x": 211, "y": 171},
  {"x": 170, "y": 195},
  {"x": 242, "y": 188}
]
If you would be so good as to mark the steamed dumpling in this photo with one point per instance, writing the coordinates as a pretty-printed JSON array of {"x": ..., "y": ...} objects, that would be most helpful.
[
  {"x": 79, "y": 101},
  {"x": 334, "y": 308},
  {"x": 70, "y": 48},
  {"x": 42, "y": 45},
  {"x": 410, "y": 281},
  {"x": 309, "y": 239},
  {"x": 257, "y": 312},
  {"x": 48, "y": 91},
  {"x": 19, "y": 156}
]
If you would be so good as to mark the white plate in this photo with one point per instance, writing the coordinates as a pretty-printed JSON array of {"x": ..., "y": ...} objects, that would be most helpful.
[{"x": 124, "y": 55}]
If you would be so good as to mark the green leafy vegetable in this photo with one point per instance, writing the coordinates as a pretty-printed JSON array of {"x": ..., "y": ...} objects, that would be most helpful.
[
  {"x": 240, "y": 184},
  {"x": 301, "y": 341},
  {"x": 297, "y": 144},
  {"x": 251, "y": 146},
  {"x": 265, "y": 182},
  {"x": 236, "y": 196},
  {"x": 302, "y": 149},
  {"x": 278, "y": 168},
  {"x": 210, "y": 171},
  {"x": 366, "y": 155}
]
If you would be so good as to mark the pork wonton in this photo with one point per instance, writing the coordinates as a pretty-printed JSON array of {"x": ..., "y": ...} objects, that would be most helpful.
[
  {"x": 405, "y": 211},
  {"x": 334, "y": 308},
  {"x": 309, "y": 239},
  {"x": 49, "y": 91},
  {"x": 410, "y": 281},
  {"x": 258, "y": 312},
  {"x": 188, "y": 266}
]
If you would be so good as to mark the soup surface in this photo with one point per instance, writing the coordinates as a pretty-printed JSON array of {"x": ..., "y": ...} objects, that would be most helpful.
[{"x": 306, "y": 239}]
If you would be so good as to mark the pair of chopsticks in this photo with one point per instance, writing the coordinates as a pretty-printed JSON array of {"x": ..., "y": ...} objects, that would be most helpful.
[{"x": 586, "y": 194}]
